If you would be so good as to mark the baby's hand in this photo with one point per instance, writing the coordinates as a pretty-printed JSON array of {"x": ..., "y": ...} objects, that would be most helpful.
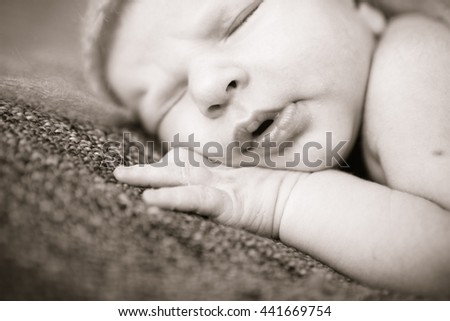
[{"x": 248, "y": 198}]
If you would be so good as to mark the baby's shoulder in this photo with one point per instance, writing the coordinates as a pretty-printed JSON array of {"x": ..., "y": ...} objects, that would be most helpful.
[
  {"x": 406, "y": 126},
  {"x": 414, "y": 30},
  {"x": 411, "y": 62},
  {"x": 412, "y": 45}
]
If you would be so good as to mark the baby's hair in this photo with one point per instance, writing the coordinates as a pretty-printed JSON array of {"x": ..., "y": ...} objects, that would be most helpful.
[{"x": 100, "y": 24}]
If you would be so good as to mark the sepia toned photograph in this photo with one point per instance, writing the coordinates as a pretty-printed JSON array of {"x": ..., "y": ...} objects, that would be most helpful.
[{"x": 225, "y": 150}]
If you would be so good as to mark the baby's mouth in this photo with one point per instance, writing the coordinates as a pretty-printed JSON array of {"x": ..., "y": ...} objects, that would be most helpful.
[{"x": 277, "y": 127}]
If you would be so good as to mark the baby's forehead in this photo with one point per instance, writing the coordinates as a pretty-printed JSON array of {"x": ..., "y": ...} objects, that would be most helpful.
[
  {"x": 181, "y": 15},
  {"x": 152, "y": 29}
]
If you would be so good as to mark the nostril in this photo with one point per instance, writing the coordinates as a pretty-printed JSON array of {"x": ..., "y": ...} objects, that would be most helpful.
[
  {"x": 214, "y": 109},
  {"x": 232, "y": 85}
]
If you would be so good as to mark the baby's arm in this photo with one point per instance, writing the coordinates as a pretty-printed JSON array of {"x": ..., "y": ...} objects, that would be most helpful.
[{"x": 370, "y": 232}]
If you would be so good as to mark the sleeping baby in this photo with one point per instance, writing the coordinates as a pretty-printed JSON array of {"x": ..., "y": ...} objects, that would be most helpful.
[{"x": 272, "y": 96}]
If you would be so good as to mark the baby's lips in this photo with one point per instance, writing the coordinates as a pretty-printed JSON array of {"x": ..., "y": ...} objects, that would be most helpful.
[
  {"x": 245, "y": 132},
  {"x": 287, "y": 125}
]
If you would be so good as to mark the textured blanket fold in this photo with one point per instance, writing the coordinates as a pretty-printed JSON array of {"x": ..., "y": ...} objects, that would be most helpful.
[{"x": 68, "y": 230}]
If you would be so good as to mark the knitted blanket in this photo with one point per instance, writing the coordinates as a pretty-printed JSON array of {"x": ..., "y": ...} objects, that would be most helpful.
[{"x": 69, "y": 230}]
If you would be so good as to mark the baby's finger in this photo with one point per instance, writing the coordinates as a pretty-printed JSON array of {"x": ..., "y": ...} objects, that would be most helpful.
[
  {"x": 199, "y": 199},
  {"x": 144, "y": 175},
  {"x": 183, "y": 156},
  {"x": 162, "y": 176}
]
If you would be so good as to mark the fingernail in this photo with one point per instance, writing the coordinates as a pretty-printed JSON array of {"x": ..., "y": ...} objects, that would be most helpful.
[
  {"x": 118, "y": 171},
  {"x": 146, "y": 195}
]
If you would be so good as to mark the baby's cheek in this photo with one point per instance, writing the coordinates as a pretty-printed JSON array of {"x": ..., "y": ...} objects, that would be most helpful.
[
  {"x": 192, "y": 130},
  {"x": 175, "y": 122}
]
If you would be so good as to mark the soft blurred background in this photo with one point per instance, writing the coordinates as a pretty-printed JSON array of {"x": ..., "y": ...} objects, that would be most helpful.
[{"x": 46, "y": 29}]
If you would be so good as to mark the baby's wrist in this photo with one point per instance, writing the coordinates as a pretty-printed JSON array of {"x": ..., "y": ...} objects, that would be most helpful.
[{"x": 285, "y": 194}]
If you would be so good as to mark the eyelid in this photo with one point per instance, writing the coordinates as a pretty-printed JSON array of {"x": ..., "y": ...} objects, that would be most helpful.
[{"x": 243, "y": 16}]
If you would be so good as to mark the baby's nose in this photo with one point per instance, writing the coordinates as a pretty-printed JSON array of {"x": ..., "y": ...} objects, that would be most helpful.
[{"x": 213, "y": 86}]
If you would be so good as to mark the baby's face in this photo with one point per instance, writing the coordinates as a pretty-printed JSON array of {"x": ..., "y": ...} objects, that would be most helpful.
[{"x": 245, "y": 70}]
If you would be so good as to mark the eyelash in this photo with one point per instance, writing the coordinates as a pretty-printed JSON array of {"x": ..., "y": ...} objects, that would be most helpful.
[{"x": 234, "y": 28}]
